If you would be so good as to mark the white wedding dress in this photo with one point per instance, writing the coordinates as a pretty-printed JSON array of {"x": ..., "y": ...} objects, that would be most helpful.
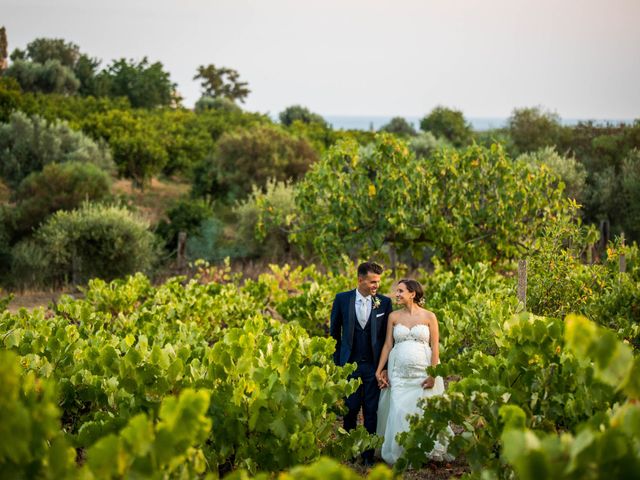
[{"x": 407, "y": 363}]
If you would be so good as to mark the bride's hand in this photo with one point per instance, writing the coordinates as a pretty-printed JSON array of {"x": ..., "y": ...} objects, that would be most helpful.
[
  {"x": 383, "y": 381},
  {"x": 429, "y": 382}
]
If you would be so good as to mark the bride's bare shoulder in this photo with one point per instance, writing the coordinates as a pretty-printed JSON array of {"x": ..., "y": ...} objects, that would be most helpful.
[
  {"x": 393, "y": 316},
  {"x": 429, "y": 315}
]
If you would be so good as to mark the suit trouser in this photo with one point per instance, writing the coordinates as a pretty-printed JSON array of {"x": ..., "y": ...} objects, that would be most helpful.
[{"x": 366, "y": 397}]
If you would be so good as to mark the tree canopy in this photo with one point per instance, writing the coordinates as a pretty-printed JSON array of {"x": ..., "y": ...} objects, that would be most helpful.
[
  {"x": 301, "y": 114},
  {"x": 448, "y": 123},
  {"x": 222, "y": 82},
  {"x": 251, "y": 157},
  {"x": 399, "y": 126},
  {"x": 469, "y": 205},
  {"x": 533, "y": 128},
  {"x": 145, "y": 84}
]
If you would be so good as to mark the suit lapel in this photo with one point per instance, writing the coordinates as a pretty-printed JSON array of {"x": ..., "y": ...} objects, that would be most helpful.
[{"x": 352, "y": 316}]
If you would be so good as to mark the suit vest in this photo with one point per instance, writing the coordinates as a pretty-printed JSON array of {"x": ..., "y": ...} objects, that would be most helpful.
[{"x": 361, "y": 349}]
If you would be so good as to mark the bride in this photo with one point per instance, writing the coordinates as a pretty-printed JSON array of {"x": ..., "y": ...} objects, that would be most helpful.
[{"x": 411, "y": 345}]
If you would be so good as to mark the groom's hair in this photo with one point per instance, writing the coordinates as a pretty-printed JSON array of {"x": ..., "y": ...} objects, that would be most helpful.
[{"x": 369, "y": 267}]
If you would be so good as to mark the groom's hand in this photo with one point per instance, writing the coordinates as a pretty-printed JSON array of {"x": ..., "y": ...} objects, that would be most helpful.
[{"x": 383, "y": 380}]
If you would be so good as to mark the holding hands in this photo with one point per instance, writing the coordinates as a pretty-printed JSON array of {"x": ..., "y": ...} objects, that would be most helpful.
[{"x": 383, "y": 379}]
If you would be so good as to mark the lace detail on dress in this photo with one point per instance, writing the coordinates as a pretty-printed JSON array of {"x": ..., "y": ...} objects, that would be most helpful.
[{"x": 417, "y": 333}]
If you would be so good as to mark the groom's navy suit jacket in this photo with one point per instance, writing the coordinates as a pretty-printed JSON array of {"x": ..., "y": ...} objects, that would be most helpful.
[{"x": 343, "y": 321}]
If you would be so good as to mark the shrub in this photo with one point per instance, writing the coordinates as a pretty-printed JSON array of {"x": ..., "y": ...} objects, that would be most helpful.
[
  {"x": 426, "y": 144},
  {"x": 93, "y": 241},
  {"x": 567, "y": 169},
  {"x": 252, "y": 156},
  {"x": 264, "y": 219},
  {"x": 48, "y": 77},
  {"x": 185, "y": 215},
  {"x": 216, "y": 103},
  {"x": 28, "y": 144},
  {"x": 59, "y": 186},
  {"x": 213, "y": 243}
]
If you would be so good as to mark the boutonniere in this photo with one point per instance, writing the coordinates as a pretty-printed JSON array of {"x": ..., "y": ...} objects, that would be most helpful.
[{"x": 375, "y": 302}]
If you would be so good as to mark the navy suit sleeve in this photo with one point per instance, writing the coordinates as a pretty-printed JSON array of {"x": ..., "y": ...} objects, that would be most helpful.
[{"x": 335, "y": 328}]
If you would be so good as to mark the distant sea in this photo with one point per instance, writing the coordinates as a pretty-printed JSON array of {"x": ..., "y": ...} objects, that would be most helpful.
[{"x": 363, "y": 122}]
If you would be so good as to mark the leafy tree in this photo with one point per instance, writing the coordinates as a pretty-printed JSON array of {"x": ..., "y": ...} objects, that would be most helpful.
[
  {"x": 222, "y": 82},
  {"x": 301, "y": 114},
  {"x": 28, "y": 144},
  {"x": 49, "y": 77},
  {"x": 448, "y": 123},
  {"x": 252, "y": 156},
  {"x": 568, "y": 169},
  {"x": 137, "y": 146},
  {"x": 41, "y": 50},
  {"x": 182, "y": 134},
  {"x": 320, "y": 135},
  {"x": 470, "y": 205},
  {"x": 630, "y": 183},
  {"x": 605, "y": 199},
  {"x": 10, "y": 97},
  {"x": 86, "y": 71},
  {"x": 145, "y": 85},
  {"x": 218, "y": 121},
  {"x": 599, "y": 146},
  {"x": 78, "y": 67},
  {"x": 533, "y": 128},
  {"x": 59, "y": 186},
  {"x": 399, "y": 126}
]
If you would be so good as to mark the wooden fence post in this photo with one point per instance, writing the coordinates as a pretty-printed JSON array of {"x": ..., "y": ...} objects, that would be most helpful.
[
  {"x": 604, "y": 234},
  {"x": 522, "y": 284},
  {"x": 182, "y": 244}
]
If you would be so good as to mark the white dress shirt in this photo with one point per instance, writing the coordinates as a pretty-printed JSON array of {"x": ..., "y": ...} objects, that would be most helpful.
[{"x": 360, "y": 299}]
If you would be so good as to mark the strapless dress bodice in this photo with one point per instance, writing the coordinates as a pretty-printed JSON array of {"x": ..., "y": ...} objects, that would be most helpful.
[{"x": 417, "y": 333}]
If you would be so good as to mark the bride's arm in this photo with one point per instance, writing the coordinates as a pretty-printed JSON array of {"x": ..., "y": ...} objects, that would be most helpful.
[
  {"x": 435, "y": 340},
  {"x": 434, "y": 336},
  {"x": 386, "y": 348}
]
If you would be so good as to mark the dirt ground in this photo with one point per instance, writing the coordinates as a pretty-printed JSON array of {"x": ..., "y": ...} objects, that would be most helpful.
[
  {"x": 431, "y": 471},
  {"x": 30, "y": 300}
]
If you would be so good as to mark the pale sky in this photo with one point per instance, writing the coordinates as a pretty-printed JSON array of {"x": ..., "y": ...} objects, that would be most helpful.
[{"x": 578, "y": 58}]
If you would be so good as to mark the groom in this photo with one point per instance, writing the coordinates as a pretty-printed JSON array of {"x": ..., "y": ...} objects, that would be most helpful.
[{"x": 359, "y": 325}]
